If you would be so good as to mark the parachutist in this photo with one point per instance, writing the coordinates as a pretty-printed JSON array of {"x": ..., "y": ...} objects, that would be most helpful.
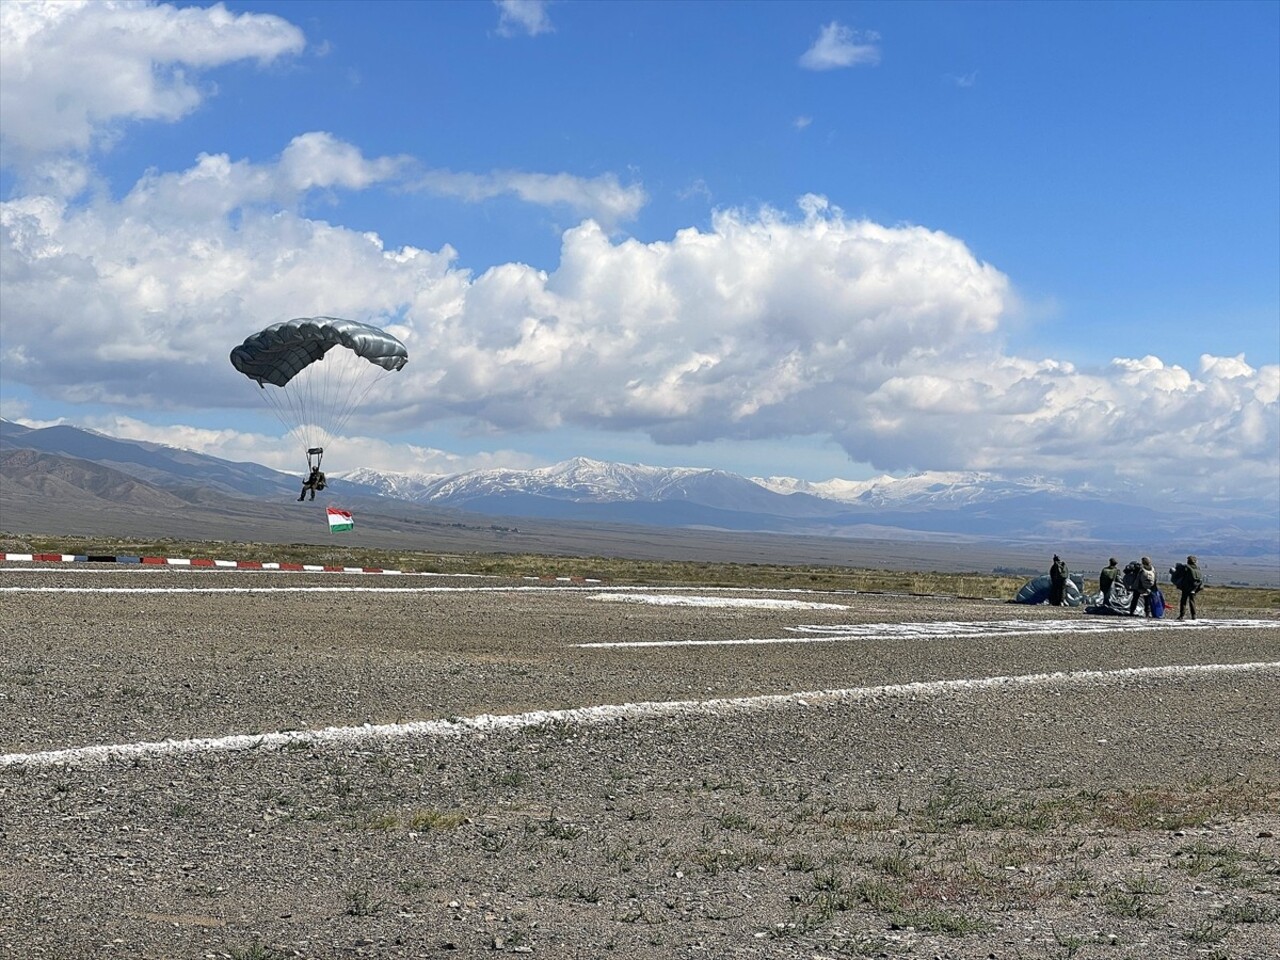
[
  {"x": 315, "y": 481},
  {"x": 315, "y": 371}
]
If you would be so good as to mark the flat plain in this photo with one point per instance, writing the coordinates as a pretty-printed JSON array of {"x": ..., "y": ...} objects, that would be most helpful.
[{"x": 263, "y": 765}]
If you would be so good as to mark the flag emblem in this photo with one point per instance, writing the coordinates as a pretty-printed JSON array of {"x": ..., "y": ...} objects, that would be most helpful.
[{"x": 339, "y": 520}]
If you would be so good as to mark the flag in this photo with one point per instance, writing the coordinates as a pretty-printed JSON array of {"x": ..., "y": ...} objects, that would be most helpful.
[{"x": 339, "y": 520}]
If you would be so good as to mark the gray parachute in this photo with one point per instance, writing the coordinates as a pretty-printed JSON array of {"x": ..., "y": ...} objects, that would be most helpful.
[
  {"x": 1036, "y": 590},
  {"x": 283, "y": 350},
  {"x": 316, "y": 371}
]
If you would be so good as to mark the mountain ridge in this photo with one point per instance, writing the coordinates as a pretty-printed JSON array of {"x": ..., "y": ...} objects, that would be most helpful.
[{"x": 922, "y": 507}]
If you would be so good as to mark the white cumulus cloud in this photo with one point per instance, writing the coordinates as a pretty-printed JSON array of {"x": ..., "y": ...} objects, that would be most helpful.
[
  {"x": 240, "y": 446},
  {"x": 765, "y": 324},
  {"x": 72, "y": 70}
]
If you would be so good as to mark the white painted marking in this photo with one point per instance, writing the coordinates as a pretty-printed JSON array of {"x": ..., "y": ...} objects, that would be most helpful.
[
  {"x": 950, "y": 629},
  {"x": 666, "y": 600},
  {"x": 229, "y": 566},
  {"x": 297, "y": 589},
  {"x": 586, "y": 583},
  {"x": 373, "y": 733}
]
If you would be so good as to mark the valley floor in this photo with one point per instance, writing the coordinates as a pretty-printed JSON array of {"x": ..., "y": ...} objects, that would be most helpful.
[{"x": 479, "y": 765}]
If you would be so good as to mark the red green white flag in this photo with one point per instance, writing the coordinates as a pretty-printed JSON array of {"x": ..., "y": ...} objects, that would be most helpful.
[{"x": 339, "y": 520}]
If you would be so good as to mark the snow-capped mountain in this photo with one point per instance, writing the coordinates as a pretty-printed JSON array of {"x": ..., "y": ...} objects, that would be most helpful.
[
  {"x": 582, "y": 480},
  {"x": 951, "y": 505},
  {"x": 397, "y": 486},
  {"x": 585, "y": 481},
  {"x": 933, "y": 490}
]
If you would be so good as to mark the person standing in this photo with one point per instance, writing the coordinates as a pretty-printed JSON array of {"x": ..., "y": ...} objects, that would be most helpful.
[
  {"x": 1144, "y": 582},
  {"x": 1107, "y": 578},
  {"x": 1189, "y": 581},
  {"x": 1058, "y": 582}
]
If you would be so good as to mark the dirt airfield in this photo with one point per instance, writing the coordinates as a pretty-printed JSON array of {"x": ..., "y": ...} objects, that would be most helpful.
[{"x": 264, "y": 765}]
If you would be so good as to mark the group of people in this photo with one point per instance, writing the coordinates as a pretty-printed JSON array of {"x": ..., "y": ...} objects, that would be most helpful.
[{"x": 1139, "y": 578}]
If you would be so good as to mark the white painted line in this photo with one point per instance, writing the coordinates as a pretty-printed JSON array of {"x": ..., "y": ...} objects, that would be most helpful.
[
  {"x": 300, "y": 589},
  {"x": 950, "y": 629},
  {"x": 558, "y": 587},
  {"x": 376, "y": 733},
  {"x": 666, "y": 600},
  {"x": 232, "y": 566}
]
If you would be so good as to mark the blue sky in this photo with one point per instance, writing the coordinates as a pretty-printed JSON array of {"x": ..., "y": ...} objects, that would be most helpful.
[{"x": 803, "y": 239}]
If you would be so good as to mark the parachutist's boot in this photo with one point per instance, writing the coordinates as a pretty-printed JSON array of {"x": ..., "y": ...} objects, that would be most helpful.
[{"x": 300, "y": 496}]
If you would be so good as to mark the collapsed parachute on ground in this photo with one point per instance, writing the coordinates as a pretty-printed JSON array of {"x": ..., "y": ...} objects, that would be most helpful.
[
  {"x": 1121, "y": 595},
  {"x": 1036, "y": 590},
  {"x": 1116, "y": 604},
  {"x": 315, "y": 371}
]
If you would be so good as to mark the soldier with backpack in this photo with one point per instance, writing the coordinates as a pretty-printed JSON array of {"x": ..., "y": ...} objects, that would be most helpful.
[
  {"x": 1058, "y": 582},
  {"x": 1109, "y": 575},
  {"x": 1141, "y": 580},
  {"x": 1189, "y": 581}
]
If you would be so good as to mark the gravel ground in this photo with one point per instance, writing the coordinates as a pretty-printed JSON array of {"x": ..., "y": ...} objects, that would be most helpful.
[{"x": 1101, "y": 814}]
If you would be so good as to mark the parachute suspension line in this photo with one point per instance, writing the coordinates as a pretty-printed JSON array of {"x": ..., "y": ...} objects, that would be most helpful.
[
  {"x": 328, "y": 386},
  {"x": 280, "y": 403},
  {"x": 290, "y": 409},
  {"x": 352, "y": 399},
  {"x": 315, "y": 405}
]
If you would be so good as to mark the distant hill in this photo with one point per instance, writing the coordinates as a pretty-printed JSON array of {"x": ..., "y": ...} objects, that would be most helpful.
[
  {"x": 61, "y": 468},
  {"x": 154, "y": 462},
  {"x": 54, "y": 477}
]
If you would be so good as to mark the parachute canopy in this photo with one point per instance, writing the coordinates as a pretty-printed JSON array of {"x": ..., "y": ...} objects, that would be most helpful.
[
  {"x": 279, "y": 353},
  {"x": 1036, "y": 590},
  {"x": 315, "y": 371}
]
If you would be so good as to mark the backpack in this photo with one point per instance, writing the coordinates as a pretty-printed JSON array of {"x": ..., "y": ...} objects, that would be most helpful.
[
  {"x": 1157, "y": 604},
  {"x": 1187, "y": 578}
]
